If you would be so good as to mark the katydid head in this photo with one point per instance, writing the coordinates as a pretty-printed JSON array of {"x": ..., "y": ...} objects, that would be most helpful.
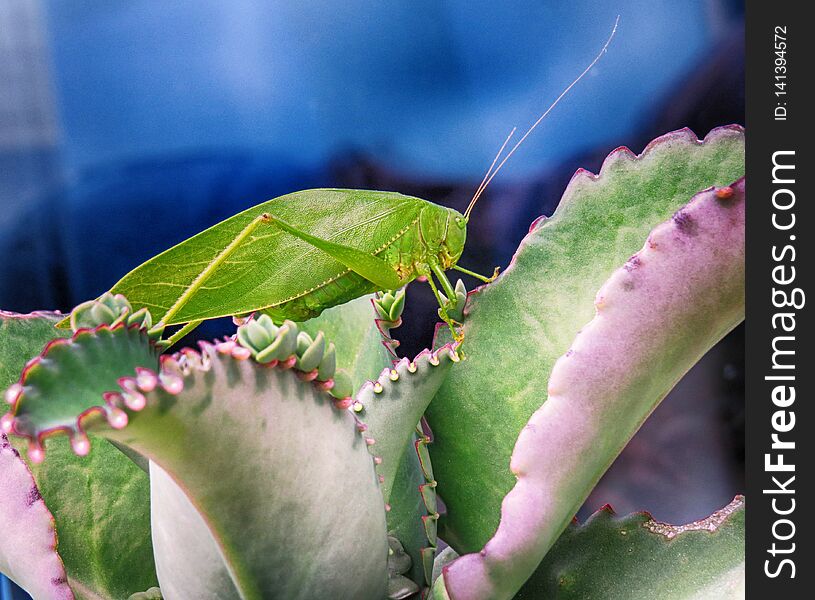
[
  {"x": 456, "y": 235},
  {"x": 444, "y": 232}
]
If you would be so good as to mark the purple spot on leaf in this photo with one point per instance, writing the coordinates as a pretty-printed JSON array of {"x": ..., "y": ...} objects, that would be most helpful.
[
  {"x": 33, "y": 495},
  {"x": 684, "y": 223},
  {"x": 633, "y": 263}
]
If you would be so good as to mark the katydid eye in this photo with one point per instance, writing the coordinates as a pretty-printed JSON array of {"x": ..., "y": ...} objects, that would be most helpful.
[{"x": 460, "y": 222}]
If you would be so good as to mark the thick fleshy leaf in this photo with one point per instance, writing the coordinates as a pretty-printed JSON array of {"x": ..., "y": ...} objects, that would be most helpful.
[
  {"x": 353, "y": 331},
  {"x": 283, "y": 480},
  {"x": 364, "y": 348},
  {"x": 409, "y": 511},
  {"x": 189, "y": 562},
  {"x": 392, "y": 405},
  {"x": 21, "y": 337},
  {"x": 638, "y": 558},
  {"x": 100, "y": 502},
  {"x": 28, "y": 542},
  {"x": 517, "y": 327},
  {"x": 63, "y": 386},
  {"x": 654, "y": 318}
]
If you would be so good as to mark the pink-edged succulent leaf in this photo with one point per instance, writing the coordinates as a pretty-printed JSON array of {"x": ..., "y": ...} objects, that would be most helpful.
[
  {"x": 516, "y": 327},
  {"x": 639, "y": 558},
  {"x": 655, "y": 317},
  {"x": 63, "y": 387},
  {"x": 282, "y": 479},
  {"x": 354, "y": 332},
  {"x": 392, "y": 405},
  {"x": 100, "y": 502},
  {"x": 391, "y": 409},
  {"x": 413, "y": 505},
  {"x": 21, "y": 337},
  {"x": 28, "y": 553}
]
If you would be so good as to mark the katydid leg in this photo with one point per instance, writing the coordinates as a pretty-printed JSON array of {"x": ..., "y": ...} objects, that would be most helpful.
[
  {"x": 170, "y": 341},
  {"x": 476, "y": 275},
  {"x": 369, "y": 266},
  {"x": 211, "y": 268},
  {"x": 445, "y": 283},
  {"x": 443, "y": 312}
]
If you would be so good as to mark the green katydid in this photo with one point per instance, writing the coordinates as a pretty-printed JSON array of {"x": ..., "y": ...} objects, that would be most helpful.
[{"x": 296, "y": 255}]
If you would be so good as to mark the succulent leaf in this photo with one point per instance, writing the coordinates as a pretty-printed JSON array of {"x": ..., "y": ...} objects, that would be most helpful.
[
  {"x": 153, "y": 593},
  {"x": 529, "y": 316},
  {"x": 392, "y": 405},
  {"x": 28, "y": 552},
  {"x": 188, "y": 560},
  {"x": 21, "y": 337},
  {"x": 100, "y": 502},
  {"x": 272, "y": 466},
  {"x": 408, "y": 506},
  {"x": 638, "y": 557},
  {"x": 354, "y": 336},
  {"x": 621, "y": 364},
  {"x": 399, "y": 563},
  {"x": 389, "y": 307},
  {"x": 390, "y": 414},
  {"x": 65, "y": 385}
]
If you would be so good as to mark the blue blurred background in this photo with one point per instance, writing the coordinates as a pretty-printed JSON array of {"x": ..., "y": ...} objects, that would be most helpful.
[{"x": 126, "y": 126}]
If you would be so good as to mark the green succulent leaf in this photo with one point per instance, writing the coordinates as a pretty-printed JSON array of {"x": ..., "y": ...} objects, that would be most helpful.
[
  {"x": 353, "y": 331},
  {"x": 655, "y": 317},
  {"x": 282, "y": 479},
  {"x": 100, "y": 502},
  {"x": 62, "y": 387},
  {"x": 359, "y": 330},
  {"x": 638, "y": 558},
  {"x": 392, "y": 405},
  {"x": 21, "y": 337},
  {"x": 153, "y": 593},
  {"x": 408, "y": 508},
  {"x": 189, "y": 562},
  {"x": 399, "y": 563},
  {"x": 518, "y": 326}
]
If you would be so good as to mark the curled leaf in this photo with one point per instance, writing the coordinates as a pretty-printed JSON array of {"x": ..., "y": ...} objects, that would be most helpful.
[{"x": 620, "y": 365}]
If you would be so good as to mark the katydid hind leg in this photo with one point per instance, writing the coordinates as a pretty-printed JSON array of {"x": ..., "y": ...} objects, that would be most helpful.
[
  {"x": 210, "y": 269},
  {"x": 371, "y": 267}
]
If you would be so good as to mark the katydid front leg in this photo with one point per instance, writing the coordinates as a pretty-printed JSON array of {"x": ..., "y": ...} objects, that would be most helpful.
[
  {"x": 435, "y": 269},
  {"x": 476, "y": 275}
]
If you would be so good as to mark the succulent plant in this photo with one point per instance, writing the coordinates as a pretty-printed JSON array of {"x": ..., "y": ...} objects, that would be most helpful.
[{"x": 303, "y": 460}]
